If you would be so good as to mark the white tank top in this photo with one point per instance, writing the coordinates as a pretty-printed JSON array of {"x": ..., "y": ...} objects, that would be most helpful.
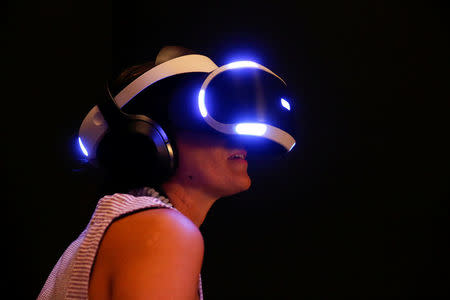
[{"x": 69, "y": 278}]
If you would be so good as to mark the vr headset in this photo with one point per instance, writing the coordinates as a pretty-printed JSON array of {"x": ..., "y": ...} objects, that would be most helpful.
[{"x": 241, "y": 100}]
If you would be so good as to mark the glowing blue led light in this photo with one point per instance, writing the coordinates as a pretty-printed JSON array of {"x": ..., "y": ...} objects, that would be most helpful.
[
  {"x": 292, "y": 147},
  {"x": 201, "y": 103},
  {"x": 251, "y": 128},
  {"x": 82, "y": 147},
  {"x": 285, "y": 104},
  {"x": 242, "y": 64}
]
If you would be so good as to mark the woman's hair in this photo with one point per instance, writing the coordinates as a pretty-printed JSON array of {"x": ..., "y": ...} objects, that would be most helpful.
[
  {"x": 170, "y": 103},
  {"x": 113, "y": 155},
  {"x": 125, "y": 167},
  {"x": 130, "y": 74}
]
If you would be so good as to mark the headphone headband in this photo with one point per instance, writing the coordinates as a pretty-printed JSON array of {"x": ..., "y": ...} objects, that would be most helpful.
[{"x": 94, "y": 126}]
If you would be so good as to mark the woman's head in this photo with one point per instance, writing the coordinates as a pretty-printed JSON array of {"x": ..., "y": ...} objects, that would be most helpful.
[
  {"x": 201, "y": 155},
  {"x": 193, "y": 110}
]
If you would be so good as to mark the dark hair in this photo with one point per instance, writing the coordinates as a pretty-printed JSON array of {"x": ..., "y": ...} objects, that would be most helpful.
[{"x": 125, "y": 167}]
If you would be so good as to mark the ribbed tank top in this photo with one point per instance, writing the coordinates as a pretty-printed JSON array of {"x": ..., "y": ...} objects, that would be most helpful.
[{"x": 69, "y": 278}]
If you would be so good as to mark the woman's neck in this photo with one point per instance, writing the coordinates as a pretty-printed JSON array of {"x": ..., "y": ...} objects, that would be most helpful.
[{"x": 190, "y": 201}]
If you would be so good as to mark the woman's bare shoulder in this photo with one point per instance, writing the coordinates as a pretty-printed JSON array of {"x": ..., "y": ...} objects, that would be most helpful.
[
  {"x": 149, "y": 251},
  {"x": 152, "y": 228},
  {"x": 156, "y": 218}
]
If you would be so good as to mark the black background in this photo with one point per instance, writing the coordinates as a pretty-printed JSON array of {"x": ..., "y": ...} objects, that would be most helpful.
[{"x": 360, "y": 207}]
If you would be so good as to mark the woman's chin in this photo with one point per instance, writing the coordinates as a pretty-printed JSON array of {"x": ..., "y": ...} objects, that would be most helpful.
[
  {"x": 240, "y": 186},
  {"x": 248, "y": 184}
]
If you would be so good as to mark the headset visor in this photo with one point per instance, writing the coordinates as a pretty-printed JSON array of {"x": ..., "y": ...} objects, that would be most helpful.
[{"x": 250, "y": 96}]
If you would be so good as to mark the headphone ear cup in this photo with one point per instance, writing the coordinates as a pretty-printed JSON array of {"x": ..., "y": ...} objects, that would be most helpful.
[
  {"x": 135, "y": 149},
  {"x": 139, "y": 153},
  {"x": 152, "y": 146}
]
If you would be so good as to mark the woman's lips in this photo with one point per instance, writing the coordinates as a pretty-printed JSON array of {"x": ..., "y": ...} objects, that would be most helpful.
[{"x": 242, "y": 155}]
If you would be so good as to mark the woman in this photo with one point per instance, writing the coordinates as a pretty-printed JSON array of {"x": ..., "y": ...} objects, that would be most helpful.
[
  {"x": 157, "y": 254},
  {"x": 178, "y": 160}
]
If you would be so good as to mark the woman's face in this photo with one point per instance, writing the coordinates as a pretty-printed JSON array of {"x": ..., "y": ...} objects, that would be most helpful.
[{"x": 207, "y": 161}]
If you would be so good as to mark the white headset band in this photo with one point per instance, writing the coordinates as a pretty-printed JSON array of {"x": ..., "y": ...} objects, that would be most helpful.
[
  {"x": 94, "y": 126},
  {"x": 236, "y": 65},
  {"x": 183, "y": 64}
]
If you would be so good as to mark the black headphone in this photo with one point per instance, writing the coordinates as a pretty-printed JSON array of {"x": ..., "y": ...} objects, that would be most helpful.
[{"x": 139, "y": 137}]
